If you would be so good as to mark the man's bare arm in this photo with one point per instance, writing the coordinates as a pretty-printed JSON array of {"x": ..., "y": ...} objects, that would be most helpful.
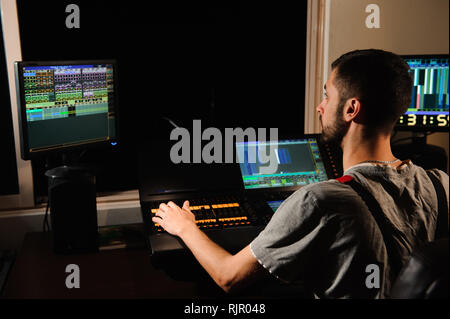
[{"x": 228, "y": 271}]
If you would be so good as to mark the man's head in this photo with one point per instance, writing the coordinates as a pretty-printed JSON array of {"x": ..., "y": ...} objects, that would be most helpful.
[{"x": 370, "y": 87}]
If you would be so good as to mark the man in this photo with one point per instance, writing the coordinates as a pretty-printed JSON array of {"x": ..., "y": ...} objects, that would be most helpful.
[{"x": 324, "y": 235}]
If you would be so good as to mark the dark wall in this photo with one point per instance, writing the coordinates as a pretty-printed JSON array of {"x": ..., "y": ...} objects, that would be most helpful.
[{"x": 227, "y": 63}]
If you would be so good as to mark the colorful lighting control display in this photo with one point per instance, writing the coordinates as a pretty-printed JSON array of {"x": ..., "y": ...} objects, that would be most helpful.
[
  {"x": 66, "y": 104},
  {"x": 430, "y": 99},
  {"x": 53, "y": 92},
  {"x": 299, "y": 163}
]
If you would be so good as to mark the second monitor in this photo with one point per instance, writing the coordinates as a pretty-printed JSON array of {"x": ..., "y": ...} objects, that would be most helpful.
[
  {"x": 430, "y": 97},
  {"x": 66, "y": 104}
]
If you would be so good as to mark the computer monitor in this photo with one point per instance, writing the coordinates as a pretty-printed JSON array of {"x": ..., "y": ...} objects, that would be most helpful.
[
  {"x": 65, "y": 105},
  {"x": 428, "y": 110},
  {"x": 299, "y": 162}
]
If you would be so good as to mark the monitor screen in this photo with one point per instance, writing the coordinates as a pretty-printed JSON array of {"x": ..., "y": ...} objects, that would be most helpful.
[
  {"x": 299, "y": 163},
  {"x": 274, "y": 204},
  {"x": 66, "y": 104},
  {"x": 429, "y": 102}
]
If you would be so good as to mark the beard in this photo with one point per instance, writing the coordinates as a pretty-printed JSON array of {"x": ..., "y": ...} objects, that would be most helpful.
[{"x": 334, "y": 134}]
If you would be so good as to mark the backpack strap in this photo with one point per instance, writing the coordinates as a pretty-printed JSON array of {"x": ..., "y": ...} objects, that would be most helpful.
[
  {"x": 442, "y": 216},
  {"x": 385, "y": 226}
]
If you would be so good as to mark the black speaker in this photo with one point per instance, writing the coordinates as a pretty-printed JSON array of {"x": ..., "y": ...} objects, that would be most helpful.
[{"x": 73, "y": 210}]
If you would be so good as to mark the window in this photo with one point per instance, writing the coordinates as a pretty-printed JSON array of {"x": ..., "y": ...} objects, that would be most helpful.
[
  {"x": 226, "y": 63},
  {"x": 9, "y": 183}
]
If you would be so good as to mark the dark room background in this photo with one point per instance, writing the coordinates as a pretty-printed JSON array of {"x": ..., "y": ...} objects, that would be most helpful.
[
  {"x": 230, "y": 64},
  {"x": 8, "y": 167}
]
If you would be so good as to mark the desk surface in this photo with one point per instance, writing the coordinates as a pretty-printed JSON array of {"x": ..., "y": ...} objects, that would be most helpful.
[{"x": 40, "y": 273}]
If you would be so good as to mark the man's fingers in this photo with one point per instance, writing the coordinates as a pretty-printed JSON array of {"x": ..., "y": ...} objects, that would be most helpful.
[
  {"x": 172, "y": 204},
  {"x": 160, "y": 213},
  {"x": 163, "y": 207},
  {"x": 156, "y": 220},
  {"x": 186, "y": 205}
]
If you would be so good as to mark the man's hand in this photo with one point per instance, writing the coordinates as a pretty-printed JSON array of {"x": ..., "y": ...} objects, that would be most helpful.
[
  {"x": 174, "y": 219},
  {"x": 228, "y": 271}
]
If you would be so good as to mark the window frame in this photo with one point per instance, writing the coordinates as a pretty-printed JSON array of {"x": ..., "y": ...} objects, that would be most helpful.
[{"x": 317, "y": 69}]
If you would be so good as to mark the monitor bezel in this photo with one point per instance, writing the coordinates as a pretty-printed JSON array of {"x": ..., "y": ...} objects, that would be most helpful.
[
  {"x": 326, "y": 158},
  {"x": 25, "y": 152},
  {"x": 422, "y": 128}
]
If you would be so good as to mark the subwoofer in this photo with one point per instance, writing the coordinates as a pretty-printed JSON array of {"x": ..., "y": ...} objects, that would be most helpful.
[{"x": 73, "y": 210}]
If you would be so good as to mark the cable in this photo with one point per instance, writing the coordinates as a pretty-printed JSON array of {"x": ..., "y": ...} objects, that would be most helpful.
[
  {"x": 77, "y": 159},
  {"x": 171, "y": 122},
  {"x": 46, "y": 226}
]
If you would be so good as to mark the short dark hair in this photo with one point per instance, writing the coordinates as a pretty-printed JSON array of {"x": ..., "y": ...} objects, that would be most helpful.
[{"x": 380, "y": 80}]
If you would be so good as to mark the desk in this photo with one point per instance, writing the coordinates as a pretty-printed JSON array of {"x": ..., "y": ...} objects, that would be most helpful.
[{"x": 38, "y": 273}]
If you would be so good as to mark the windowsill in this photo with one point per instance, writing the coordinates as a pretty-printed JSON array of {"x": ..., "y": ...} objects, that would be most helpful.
[
  {"x": 105, "y": 201},
  {"x": 118, "y": 196},
  {"x": 112, "y": 209}
]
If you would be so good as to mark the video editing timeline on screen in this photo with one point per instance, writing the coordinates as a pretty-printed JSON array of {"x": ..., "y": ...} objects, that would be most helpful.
[
  {"x": 299, "y": 163},
  {"x": 430, "y": 95},
  {"x": 53, "y": 92}
]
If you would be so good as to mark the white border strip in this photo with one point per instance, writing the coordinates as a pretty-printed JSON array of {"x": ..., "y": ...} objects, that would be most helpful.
[
  {"x": 311, "y": 46},
  {"x": 317, "y": 50},
  {"x": 326, "y": 40}
]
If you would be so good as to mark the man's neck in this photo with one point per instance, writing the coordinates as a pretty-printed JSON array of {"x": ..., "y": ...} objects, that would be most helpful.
[{"x": 357, "y": 149}]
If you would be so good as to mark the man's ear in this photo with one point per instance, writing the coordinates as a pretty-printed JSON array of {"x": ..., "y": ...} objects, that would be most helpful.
[{"x": 352, "y": 110}]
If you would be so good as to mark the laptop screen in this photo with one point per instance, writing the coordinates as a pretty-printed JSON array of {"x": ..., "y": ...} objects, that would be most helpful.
[{"x": 297, "y": 163}]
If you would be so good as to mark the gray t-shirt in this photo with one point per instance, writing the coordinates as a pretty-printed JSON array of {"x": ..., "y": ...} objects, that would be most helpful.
[{"x": 324, "y": 236}]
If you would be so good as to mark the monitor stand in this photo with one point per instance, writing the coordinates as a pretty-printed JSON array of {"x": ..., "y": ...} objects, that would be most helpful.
[
  {"x": 73, "y": 212},
  {"x": 68, "y": 166},
  {"x": 422, "y": 154}
]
